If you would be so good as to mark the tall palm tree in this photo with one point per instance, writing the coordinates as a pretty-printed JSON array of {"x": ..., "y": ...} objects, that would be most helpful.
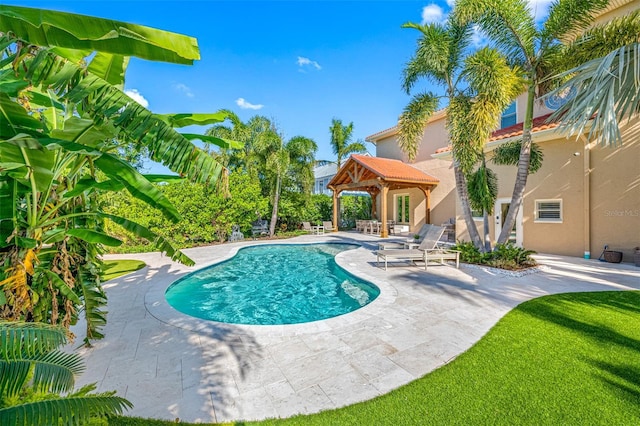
[
  {"x": 605, "y": 89},
  {"x": 341, "y": 141},
  {"x": 511, "y": 25},
  {"x": 477, "y": 89}
]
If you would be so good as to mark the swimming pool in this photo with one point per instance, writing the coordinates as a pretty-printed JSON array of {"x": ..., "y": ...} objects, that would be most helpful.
[{"x": 273, "y": 284}]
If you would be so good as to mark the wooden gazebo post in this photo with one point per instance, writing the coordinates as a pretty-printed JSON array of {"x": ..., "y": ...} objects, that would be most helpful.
[
  {"x": 427, "y": 202},
  {"x": 336, "y": 211},
  {"x": 384, "y": 232}
]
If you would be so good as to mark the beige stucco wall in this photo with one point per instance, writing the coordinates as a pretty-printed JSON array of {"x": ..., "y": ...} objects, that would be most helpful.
[
  {"x": 443, "y": 195},
  {"x": 624, "y": 7},
  {"x": 615, "y": 194},
  {"x": 613, "y": 201}
]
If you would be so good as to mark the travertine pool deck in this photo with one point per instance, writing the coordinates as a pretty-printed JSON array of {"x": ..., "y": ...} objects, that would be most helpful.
[{"x": 170, "y": 365}]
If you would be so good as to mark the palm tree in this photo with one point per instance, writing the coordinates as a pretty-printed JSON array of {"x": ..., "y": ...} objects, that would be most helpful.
[
  {"x": 34, "y": 373},
  {"x": 477, "y": 88},
  {"x": 536, "y": 51},
  {"x": 341, "y": 141},
  {"x": 605, "y": 89}
]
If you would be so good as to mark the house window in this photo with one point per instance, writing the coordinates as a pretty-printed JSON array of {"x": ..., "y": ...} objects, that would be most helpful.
[
  {"x": 508, "y": 117},
  {"x": 548, "y": 211},
  {"x": 402, "y": 208}
]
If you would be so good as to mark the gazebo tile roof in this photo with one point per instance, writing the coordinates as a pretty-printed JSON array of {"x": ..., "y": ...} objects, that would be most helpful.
[{"x": 390, "y": 169}]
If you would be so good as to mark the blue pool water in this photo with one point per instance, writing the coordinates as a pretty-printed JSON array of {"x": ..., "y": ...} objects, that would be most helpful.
[{"x": 273, "y": 284}]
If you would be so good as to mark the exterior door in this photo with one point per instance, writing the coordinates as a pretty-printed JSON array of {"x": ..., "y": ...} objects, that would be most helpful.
[
  {"x": 402, "y": 208},
  {"x": 500, "y": 211}
]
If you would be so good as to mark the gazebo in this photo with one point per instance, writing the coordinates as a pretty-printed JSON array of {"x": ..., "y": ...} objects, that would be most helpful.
[{"x": 378, "y": 176}]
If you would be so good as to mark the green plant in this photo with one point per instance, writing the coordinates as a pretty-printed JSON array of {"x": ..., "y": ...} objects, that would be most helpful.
[
  {"x": 504, "y": 256},
  {"x": 35, "y": 374},
  {"x": 65, "y": 122}
]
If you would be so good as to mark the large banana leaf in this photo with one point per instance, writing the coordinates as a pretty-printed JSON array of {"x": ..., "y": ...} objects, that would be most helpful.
[
  {"x": 189, "y": 119},
  {"x": 94, "y": 237},
  {"x": 136, "y": 184},
  {"x": 7, "y": 208},
  {"x": 67, "y": 30},
  {"x": 110, "y": 68},
  {"x": 38, "y": 162},
  {"x": 221, "y": 142},
  {"x": 107, "y": 105},
  {"x": 14, "y": 119},
  {"x": 139, "y": 230}
]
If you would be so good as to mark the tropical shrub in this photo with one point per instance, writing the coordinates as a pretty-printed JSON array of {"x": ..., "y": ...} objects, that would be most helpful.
[
  {"x": 65, "y": 121},
  {"x": 35, "y": 375},
  {"x": 504, "y": 256},
  {"x": 208, "y": 214}
]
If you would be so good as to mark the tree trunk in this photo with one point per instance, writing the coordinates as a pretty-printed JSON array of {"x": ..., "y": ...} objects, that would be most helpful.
[
  {"x": 487, "y": 237},
  {"x": 463, "y": 196},
  {"x": 523, "y": 168},
  {"x": 274, "y": 211}
]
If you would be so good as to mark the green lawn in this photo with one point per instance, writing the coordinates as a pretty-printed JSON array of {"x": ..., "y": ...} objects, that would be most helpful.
[
  {"x": 116, "y": 268},
  {"x": 568, "y": 359}
]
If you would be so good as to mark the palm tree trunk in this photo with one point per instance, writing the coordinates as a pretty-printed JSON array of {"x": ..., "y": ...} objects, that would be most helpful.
[
  {"x": 274, "y": 211},
  {"x": 523, "y": 168},
  {"x": 487, "y": 237},
  {"x": 463, "y": 196}
]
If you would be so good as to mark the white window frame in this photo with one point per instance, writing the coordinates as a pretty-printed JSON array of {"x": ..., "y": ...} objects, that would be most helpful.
[
  {"x": 395, "y": 207},
  {"x": 536, "y": 213}
]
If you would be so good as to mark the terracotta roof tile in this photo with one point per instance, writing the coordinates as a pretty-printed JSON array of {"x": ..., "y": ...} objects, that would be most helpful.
[
  {"x": 393, "y": 169},
  {"x": 539, "y": 124}
]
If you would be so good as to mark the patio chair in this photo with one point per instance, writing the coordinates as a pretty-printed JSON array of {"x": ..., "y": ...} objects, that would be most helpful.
[
  {"x": 427, "y": 250},
  {"x": 236, "y": 234},
  {"x": 408, "y": 243},
  {"x": 306, "y": 226},
  {"x": 259, "y": 228},
  {"x": 328, "y": 226}
]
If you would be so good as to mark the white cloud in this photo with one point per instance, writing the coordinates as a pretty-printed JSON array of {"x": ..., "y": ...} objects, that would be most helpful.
[
  {"x": 540, "y": 8},
  {"x": 451, "y": 3},
  {"x": 184, "y": 89},
  {"x": 306, "y": 62},
  {"x": 478, "y": 38},
  {"x": 432, "y": 13},
  {"x": 136, "y": 96},
  {"x": 242, "y": 103}
]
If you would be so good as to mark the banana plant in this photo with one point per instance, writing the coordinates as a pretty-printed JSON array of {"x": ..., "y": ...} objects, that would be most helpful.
[
  {"x": 64, "y": 117},
  {"x": 35, "y": 374}
]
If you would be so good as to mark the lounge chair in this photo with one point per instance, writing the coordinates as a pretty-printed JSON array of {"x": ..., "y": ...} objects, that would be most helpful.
[
  {"x": 307, "y": 227},
  {"x": 328, "y": 226},
  {"x": 427, "y": 250},
  {"x": 409, "y": 243}
]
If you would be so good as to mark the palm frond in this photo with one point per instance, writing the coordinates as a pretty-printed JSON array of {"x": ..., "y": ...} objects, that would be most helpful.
[
  {"x": 508, "y": 154},
  {"x": 94, "y": 300},
  {"x": 607, "y": 92},
  {"x": 509, "y": 23},
  {"x": 69, "y": 411},
  {"x": 413, "y": 120},
  {"x": 483, "y": 189},
  {"x": 603, "y": 39},
  {"x": 21, "y": 339},
  {"x": 431, "y": 58},
  {"x": 568, "y": 17}
]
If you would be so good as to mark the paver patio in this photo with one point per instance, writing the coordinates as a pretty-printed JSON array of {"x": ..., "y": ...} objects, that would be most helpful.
[{"x": 170, "y": 365}]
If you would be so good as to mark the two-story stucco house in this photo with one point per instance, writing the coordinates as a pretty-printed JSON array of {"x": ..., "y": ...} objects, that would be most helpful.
[{"x": 584, "y": 197}]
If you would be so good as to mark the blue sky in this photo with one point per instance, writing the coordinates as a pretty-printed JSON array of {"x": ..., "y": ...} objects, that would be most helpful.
[{"x": 300, "y": 63}]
